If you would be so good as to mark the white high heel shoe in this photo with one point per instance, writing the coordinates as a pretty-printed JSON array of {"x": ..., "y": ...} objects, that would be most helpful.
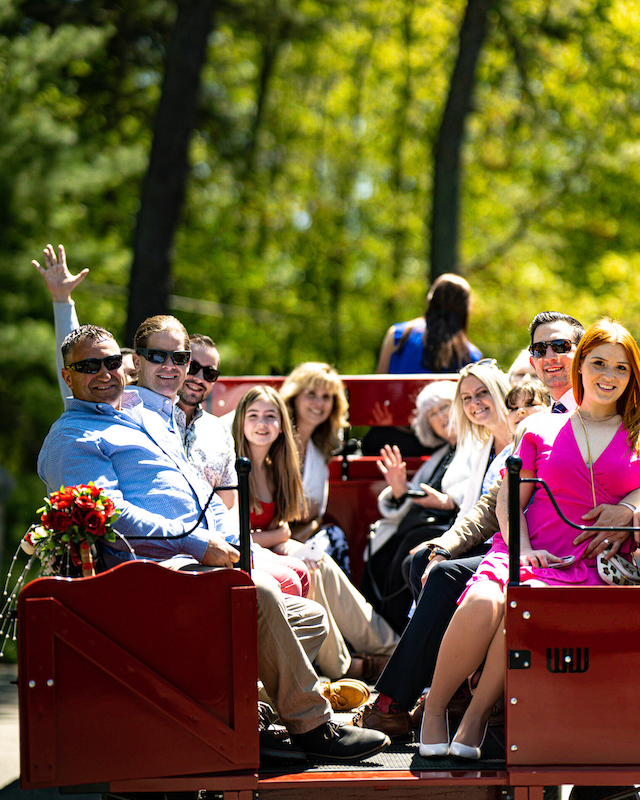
[
  {"x": 434, "y": 750},
  {"x": 466, "y": 751}
]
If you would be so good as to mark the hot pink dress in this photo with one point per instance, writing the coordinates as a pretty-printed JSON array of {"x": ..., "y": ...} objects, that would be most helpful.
[{"x": 549, "y": 449}]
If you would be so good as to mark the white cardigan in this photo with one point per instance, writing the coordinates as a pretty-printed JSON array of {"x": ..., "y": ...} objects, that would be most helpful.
[
  {"x": 315, "y": 478},
  {"x": 474, "y": 487}
]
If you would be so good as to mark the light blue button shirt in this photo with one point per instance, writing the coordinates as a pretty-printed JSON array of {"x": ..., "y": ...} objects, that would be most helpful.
[{"x": 134, "y": 455}]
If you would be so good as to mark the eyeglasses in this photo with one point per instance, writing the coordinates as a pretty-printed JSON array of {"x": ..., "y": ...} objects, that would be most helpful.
[
  {"x": 559, "y": 346},
  {"x": 210, "y": 374},
  {"x": 91, "y": 366},
  {"x": 443, "y": 408},
  {"x": 179, "y": 357}
]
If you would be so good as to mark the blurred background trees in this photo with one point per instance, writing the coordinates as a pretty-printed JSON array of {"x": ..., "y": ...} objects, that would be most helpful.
[{"x": 281, "y": 199}]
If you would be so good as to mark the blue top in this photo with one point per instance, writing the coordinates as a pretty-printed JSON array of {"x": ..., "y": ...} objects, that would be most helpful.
[
  {"x": 140, "y": 461},
  {"x": 409, "y": 360}
]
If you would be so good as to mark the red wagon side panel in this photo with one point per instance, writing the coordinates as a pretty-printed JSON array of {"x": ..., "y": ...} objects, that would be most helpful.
[
  {"x": 573, "y": 660},
  {"x": 107, "y": 696}
]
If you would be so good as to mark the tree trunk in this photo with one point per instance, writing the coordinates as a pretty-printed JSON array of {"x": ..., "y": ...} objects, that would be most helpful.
[
  {"x": 447, "y": 171},
  {"x": 165, "y": 183}
]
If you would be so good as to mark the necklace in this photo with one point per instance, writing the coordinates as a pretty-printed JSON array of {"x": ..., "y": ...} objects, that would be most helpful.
[
  {"x": 301, "y": 448},
  {"x": 590, "y": 461},
  {"x": 599, "y": 419}
]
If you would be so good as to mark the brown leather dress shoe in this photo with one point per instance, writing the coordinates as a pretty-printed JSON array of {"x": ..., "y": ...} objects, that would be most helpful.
[
  {"x": 366, "y": 668},
  {"x": 346, "y": 694},
  {"x": 394, "y": 725}
]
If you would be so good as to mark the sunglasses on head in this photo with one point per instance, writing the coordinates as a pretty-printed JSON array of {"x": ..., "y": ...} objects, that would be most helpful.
[
  {"x": 91, "y": 366},
  {"x": 179, "y": 357},
  {"x": 559, "y": 346},
  {"x": 210, "y": 374}
]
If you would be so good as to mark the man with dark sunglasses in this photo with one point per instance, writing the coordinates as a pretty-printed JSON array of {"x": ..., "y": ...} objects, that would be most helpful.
[
  {"x": 207, "y": 441},
  {"x": 173, "y": 366},
  {"x": 162, "y": 356},
  {"x": 554, "y": 338}
]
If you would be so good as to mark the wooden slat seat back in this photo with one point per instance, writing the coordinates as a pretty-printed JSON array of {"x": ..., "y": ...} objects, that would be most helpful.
[
  {"x": 373, "y": 400},
  {"x": 573, "y": 660},
  {"x": 139, "y": 672},
  {"x": 370, "y": 396}
]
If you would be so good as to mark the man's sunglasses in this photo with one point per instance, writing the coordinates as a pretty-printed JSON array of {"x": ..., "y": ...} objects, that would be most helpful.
[
  {"x": 559, "y": 346},
  {"x": 210, "y": 374},
  {"x": 91, "y": 366},
  {"x": 179, "y": 357}
]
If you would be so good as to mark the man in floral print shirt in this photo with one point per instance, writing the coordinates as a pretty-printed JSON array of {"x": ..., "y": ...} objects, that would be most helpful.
[{"x": 207, "y": 441}]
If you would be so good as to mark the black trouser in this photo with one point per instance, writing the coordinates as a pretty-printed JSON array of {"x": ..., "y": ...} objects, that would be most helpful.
[
  {"x": 411, "y": 666},
  {"x": 385, "y": 583}
]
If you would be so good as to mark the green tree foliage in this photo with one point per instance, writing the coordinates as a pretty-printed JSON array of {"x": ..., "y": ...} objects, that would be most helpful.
[{"x": 305, "y": 230}]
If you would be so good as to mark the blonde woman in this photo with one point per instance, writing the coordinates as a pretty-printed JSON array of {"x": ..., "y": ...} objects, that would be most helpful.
[
  {"x": 480, "y": 418},
  {"x": 318, "y": 408}
]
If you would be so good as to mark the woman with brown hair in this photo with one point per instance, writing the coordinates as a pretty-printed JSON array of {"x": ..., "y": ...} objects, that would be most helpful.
[
  {"x": 436, "y": 342},
  {"x": 317, "y": 403}
]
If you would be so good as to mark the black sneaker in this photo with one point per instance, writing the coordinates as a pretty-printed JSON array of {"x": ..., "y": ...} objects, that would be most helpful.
[
  {"x": 274, "y": 739},
  {"x": 340, "y": 743}
]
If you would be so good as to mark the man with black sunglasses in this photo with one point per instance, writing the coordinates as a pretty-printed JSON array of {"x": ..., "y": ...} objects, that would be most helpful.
[
  {"x": 173, "y": 366},
  {"x": 554, "y": 338},
  {"x": 61, "y": 283},
  {"x": 207, "y": 441},
  {"x": 163, "y": 354}
]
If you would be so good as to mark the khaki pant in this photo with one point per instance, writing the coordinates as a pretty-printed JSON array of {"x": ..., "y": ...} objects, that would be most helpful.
[
  {"x": 290, "y": 633},
  {"x": 350, "y": 617}
]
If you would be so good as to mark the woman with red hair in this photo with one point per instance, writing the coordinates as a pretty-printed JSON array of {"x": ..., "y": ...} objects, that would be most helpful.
[{"x": 586, "y": 458}]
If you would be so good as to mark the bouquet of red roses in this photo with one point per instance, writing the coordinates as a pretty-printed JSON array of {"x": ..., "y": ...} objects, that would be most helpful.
[{"x": 71, "y": 520}]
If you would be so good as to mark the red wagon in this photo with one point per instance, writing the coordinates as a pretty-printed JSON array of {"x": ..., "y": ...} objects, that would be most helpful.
[{"x": 142, "y": 681}]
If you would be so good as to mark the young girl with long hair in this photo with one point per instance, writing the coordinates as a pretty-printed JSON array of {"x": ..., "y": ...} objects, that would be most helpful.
[{"x": 263, "y": 432}]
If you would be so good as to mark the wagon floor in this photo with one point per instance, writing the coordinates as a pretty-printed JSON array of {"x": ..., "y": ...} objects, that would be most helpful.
[{"x": 405, "y": 756}]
